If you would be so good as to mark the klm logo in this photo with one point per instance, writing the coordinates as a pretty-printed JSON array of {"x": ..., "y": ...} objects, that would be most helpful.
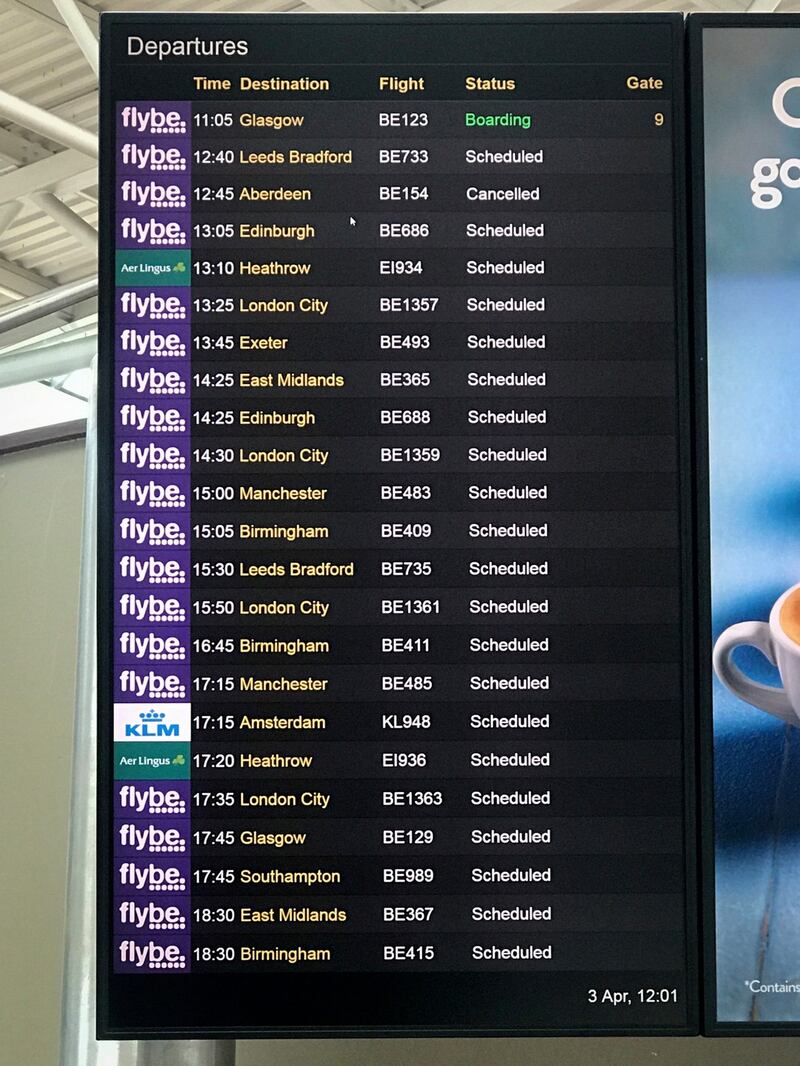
[{"x": 152, "y": 725}]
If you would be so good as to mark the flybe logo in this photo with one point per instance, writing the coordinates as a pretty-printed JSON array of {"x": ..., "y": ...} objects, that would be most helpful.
[
  {"x": 152, "y": 381},
  {"x": 133, "y": 836},
  {"x": 151, "y": 456},
  {"x": 151, "y": 956},
  {"x": 137, "y": 721},
  {"x": 152, "y": 685},
  {"x": 152, "y": 120},
  {"x": 150, "y": 916},
  {"x": 152, "y": 877},
  {"x": 148, "y": 800},
  {"x": 148, "y": 570},
  {"x": 153, "y": 232},
  {"x": 152, "y": 305},
  {"x": 151, "y": 493},
  {"x": 151, "y": 608},
  {"x": 152, "y": 419},
  {"x": 151, "y": 533},
  {"x": 151, "y": 157},
  {"x": 151, "y": 194},
  {"x": 150, "y": 646},
  {"x": 152, "y": 343}
]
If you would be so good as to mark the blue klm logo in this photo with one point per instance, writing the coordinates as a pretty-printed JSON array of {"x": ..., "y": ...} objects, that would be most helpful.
[{"x": 152, "y": 724}]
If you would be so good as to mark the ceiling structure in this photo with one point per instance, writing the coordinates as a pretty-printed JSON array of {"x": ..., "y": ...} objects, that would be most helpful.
[{"x": 48, "y": 184}]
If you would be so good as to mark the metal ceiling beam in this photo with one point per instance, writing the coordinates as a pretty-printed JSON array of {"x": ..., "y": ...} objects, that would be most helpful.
[
  {"x": 20, "y": 368},
  {"x": 61, "y": 326},
  {"x": 42, "y": 11},
  {"x": 84, "y": 37},
  {"x": 498, "y": 6},
  {"x": 45, "y": 303},
  {"x": 19, "y": 279},
  {"x": 55, "y": 171},
  {"x": 68, "y": 219},
  {"x": 42, "y": 122},
  {"x": 8, "y": 212},
  {"x": 91, "y": 193},
  {"x": 20, "y": 150},
  {"x": 77, "y": 108},
  {"x": 359, "y": 6},
  {"x": 338, "y": 6},
  {"x": 24, "y": 283}
]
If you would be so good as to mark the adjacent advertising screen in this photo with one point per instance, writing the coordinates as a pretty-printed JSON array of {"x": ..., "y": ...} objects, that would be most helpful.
[
  {"x": 747, "y": 112},
  {"x": 395, "y": 612}
]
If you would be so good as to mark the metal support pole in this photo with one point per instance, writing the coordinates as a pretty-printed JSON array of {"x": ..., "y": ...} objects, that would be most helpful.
[
  {"x": 45, "y": 303},
  {"x": 51, "y": 126},
  {"x": 37, "y": 363},
  {"x": 68, "y": 219},
  {"x": 187, "y": 1053},
  {"x": 78, "y": 1044},
  {"x": 84, "y": 38}
]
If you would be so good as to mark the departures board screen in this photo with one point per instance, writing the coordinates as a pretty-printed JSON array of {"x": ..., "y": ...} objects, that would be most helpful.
[{"x": 394, "y": 598}]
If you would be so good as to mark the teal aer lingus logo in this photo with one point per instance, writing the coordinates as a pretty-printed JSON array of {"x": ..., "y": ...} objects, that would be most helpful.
[{"x": 152, "y": 268}]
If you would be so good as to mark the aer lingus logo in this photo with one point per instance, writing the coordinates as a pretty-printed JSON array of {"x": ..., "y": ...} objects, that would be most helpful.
[{"x": 153, "y": 268}]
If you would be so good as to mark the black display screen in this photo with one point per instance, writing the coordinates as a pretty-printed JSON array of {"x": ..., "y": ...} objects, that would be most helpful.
[
  {"x": 394, "y": 583},
  {"x": 745, "y": 121}
]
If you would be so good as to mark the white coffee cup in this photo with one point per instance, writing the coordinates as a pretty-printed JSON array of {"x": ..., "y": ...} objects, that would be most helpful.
[{"x": 772, "y": 641}]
